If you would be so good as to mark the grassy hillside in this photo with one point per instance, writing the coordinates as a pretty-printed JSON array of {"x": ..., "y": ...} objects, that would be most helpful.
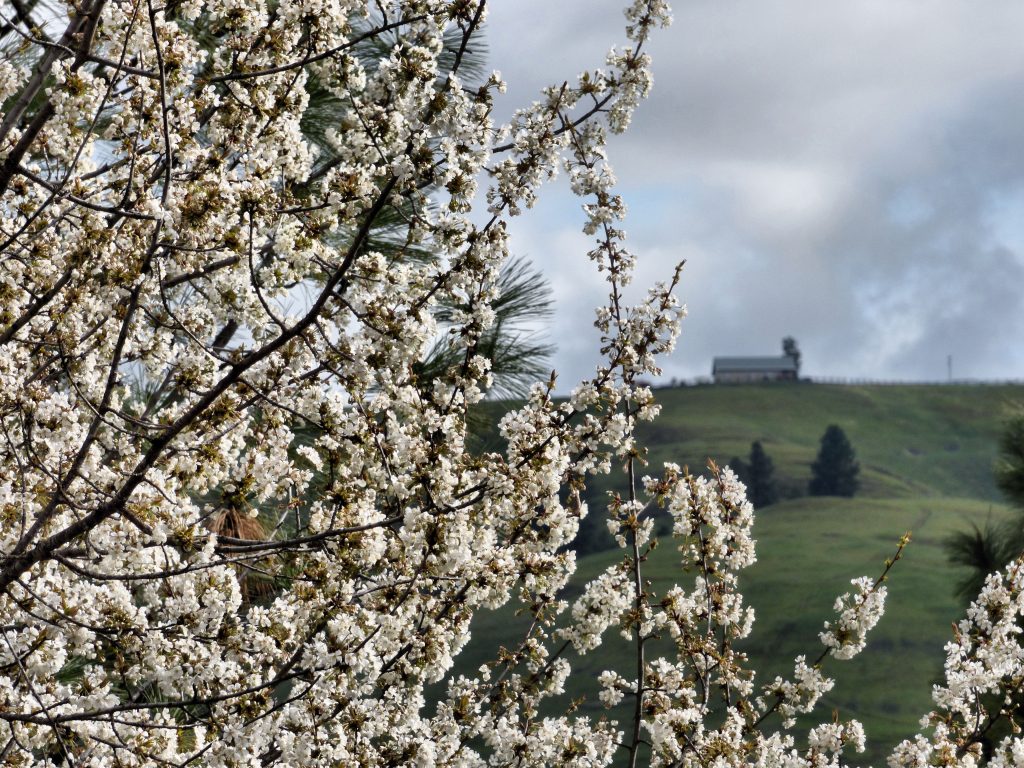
[
  {"x": 926, "y": 456},
  {"x": 911, "y": 440}
]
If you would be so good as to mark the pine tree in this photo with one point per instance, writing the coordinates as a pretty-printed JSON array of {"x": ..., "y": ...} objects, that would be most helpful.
[
  {"x": 741, "y": 468},
  {"x": 758, "y": 474},
  {"x": 834, "y": 472},
  {"x": 761, "y": 487},
  {"x": 790, "y": 349}
]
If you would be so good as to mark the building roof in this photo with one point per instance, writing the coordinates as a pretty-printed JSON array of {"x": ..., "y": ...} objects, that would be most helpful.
[{"x": 779, "y": 364}]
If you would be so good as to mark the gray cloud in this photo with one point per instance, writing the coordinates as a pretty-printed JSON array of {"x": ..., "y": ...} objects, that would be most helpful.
[{"x": 848, "y": 173}]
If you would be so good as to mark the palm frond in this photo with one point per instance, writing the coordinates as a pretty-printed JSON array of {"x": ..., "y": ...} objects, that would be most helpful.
[{"x": 982, "y": 551}]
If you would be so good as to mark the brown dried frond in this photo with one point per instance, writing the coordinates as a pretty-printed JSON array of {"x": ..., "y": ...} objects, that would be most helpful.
[{"x": 233, "y": 524}]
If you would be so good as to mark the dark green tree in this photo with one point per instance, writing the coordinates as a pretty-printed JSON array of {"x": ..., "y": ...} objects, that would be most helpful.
[
  {"x": 758, "y": 474},
  {"x": 1009, "y": 468},
  {"x": 761, "y": 487},
  {"x": 741, "y": 468},
  {"x": 990, "y": 548},
  {"x": 834, "y": 472},
  {"x": 790, "y": 349}
]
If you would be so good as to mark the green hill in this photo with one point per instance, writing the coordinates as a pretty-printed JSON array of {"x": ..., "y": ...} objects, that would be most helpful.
[
  {"x": 926, "y": 454},
  {"x": 911, "y": 440}
]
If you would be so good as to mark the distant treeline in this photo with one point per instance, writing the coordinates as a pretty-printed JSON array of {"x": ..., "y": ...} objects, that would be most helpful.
[{"x": 702, "y": 381}]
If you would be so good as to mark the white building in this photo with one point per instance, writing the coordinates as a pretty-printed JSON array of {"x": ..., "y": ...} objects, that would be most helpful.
[{"x": 732, "y": 370}]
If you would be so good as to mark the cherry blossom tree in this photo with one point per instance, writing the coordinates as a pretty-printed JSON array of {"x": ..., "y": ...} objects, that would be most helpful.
[{"x": 239, "y": 522}]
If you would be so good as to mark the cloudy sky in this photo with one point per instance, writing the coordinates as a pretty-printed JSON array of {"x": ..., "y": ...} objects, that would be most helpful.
[{"x": 849, "y": 172}]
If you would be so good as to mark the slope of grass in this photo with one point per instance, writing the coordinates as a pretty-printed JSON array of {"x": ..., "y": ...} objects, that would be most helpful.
[
  {"x": 910, "y": 440},
  {"x": 809, "y": 550},
  {"x": 926, "y": 454}
]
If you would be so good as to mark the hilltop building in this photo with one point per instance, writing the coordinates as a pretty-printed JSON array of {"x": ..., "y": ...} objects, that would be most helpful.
[{"x": 735, "y": 370}]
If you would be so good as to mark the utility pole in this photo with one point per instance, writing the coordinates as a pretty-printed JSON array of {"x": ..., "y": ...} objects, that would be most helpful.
[{"x": 949, "y": 367}]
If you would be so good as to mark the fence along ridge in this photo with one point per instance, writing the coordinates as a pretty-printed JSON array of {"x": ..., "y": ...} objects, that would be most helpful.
[{"x": 846, "y": 381}]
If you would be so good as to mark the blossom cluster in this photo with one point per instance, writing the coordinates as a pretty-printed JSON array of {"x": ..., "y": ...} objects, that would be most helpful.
[
  {"x": 976, "y": 706},
  {"x": 858, "y": 615}
]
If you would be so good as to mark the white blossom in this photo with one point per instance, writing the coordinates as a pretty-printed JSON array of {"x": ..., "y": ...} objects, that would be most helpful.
[{"x": 243, "y": 521}]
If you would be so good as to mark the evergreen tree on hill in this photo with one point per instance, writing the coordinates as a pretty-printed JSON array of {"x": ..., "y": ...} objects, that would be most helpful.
[
  {"x": 834, "y": 472},
  {"x": 790, "y": 349},
  {"x": 758, "y": 474},
  {"x": 761, "y": 490},
  {"x": 741, "y": 468}
]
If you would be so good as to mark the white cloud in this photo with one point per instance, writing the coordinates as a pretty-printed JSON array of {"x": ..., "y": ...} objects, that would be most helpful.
[{"x": 846, "y": 172}]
